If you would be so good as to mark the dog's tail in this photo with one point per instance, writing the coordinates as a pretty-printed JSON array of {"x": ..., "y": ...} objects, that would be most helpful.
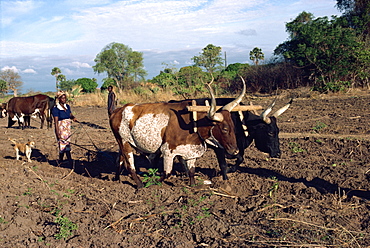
[{"x": 12, "y": 140}]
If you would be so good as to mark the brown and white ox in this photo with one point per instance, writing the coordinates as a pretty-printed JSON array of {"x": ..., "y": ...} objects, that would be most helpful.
[
  {"x": 168, "y": 129},
  {"x": 3, "y": 112},
  {"x": 22, "y": 108}
]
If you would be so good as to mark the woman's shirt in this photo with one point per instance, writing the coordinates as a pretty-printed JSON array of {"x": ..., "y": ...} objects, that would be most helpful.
[{"x": 61, "y": 113}]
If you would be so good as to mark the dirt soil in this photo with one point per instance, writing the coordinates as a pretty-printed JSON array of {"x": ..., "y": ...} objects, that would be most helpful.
[{"x": 316, "y": 195}]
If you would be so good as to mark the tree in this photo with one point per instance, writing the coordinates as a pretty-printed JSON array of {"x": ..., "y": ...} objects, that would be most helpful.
[
  {"x": 136, "y": 65},
  {"x": 55, "y": 72},
  {"x": 12, "y": 79},
  {"x": 3, "y": 87},
  {"x": 210, "y": 58},
  {"x": 256, "y": 55},
  {"x": 357, "y": 13},
  {"x": 120, "y": 63},
  {"x": 165, "y": 80},
  {"x": 107, "y": 82},
  {"x": 190, "y": 82},
  {"x": 88, "y": 85},
  {"x": 323, "y": 48},
  {"x": 67, "y": 85}
]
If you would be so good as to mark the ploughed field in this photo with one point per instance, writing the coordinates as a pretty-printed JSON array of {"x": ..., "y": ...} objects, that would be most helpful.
[{"x": 316, "y": 194}]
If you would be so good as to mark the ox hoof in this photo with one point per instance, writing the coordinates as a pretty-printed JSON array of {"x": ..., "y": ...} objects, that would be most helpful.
[{"x": 140, "y": 186}]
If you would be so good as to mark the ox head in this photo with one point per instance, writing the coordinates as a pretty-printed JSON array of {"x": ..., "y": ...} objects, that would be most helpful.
[
  {"x": 264, "y": 130},
  {"x": 222, "y": 134},
  {"x": 3, "y": 112}
]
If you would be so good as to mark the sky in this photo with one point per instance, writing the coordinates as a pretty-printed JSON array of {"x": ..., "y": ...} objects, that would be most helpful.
[{"x": 38, "y": 35}]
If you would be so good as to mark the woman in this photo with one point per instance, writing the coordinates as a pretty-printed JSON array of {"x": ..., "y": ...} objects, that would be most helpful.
[{"x": 62, "y": 118}]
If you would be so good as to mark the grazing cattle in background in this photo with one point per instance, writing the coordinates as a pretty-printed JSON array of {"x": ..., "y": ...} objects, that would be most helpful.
[
  {"x": 3, "y": 112},
  {"x": 249, "y": 127},
  {"x": 168, "y": 129},
  {"x": 22, "y": 108}
]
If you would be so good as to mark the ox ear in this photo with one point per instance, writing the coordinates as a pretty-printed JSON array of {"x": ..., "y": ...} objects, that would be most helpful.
[
  {"x": 229, "y": 107},
  {"x": 283, "y": 109}
]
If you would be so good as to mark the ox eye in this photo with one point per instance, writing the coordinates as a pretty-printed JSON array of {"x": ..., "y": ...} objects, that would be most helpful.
[
  {"x": 270, "y": 134},
  {"x": 225, "y": 130}
]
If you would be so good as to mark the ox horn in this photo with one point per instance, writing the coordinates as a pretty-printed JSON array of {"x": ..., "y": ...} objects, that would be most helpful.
[
  {"x": 212, "y": 115},
  {"x": 283, "y": 109},
  {"x": 229, "y": 107},
  {"x": 267, "y": 111}
]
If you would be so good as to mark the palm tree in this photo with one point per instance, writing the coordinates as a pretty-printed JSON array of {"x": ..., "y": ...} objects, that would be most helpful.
[
  {"x": 256, "y": 55},
  {"x": 55, "y": 72}
]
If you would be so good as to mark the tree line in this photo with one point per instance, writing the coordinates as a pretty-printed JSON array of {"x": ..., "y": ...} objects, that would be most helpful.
[{"x": 326, "y": 54}]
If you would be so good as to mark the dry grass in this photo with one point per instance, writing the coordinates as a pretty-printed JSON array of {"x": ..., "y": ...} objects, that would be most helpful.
[{"x": 99, "y": 99}]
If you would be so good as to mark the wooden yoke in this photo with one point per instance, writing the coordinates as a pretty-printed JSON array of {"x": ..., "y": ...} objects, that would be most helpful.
[
  {"x": 193, "y": 103},
  {"x": 237, "y": 108}
]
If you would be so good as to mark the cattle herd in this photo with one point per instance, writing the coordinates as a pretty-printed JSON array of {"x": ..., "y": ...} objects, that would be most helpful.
[
  {"x": 165, "y": 130},
  {"x": 21, "y": 109}
]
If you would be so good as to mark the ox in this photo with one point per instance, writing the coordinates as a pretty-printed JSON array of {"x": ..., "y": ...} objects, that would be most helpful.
[
  {"x": 3, "y": 112},
  {"x": 22, "y": 108},
  {"x": 249, "y": 127},
  {"x": 168, "y": 129}
]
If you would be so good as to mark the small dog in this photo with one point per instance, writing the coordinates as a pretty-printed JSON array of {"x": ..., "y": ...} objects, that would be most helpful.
[{"x": 23, "y": 148}]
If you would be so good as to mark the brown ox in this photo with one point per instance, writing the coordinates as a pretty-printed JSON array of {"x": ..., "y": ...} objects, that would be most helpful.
[
  {"x": 168, "y": 129},
  {"x": 22, "y": 108}
]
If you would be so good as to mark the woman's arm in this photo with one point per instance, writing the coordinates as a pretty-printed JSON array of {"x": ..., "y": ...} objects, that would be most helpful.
[{"x": 56, "y": 127}]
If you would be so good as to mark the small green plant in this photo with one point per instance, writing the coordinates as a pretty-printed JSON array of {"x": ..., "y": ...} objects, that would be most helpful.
[
  {"x": 28, "y": 192},
  {"x": 151, "y": 178},
  {"x": 55, "y": 211},
  {"x": 2, "y": 221},
  {"x": 71, "y": 191},
  {"x": 66, "y": 227},
  {"x": 319, "y": 125},
  {"x": 206, "y": 212},
  {"x": 295, "y": 147},
  {"x": 274, "y": 187}
]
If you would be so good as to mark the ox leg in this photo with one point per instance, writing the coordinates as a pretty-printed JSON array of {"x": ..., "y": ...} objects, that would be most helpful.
[
  {"x": 42, "y": 118},
  {"x": 167, "y": 165},
  {"x": 191, "y": 166},
  {"x": 126, "y": 158},
  {"x": 239, "y": 160},
  {"x": 10, "y": 121},
  {"x": 220, "y": 154},
  {"x": 27, "y": 121}
]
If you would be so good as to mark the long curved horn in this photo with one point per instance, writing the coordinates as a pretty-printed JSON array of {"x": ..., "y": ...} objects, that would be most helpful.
[
  {"x": 234, "y": 103},
  {"x": 283, "y": 109},
  {"x": 212, "y": 109},
  {"x": 267, "y": 111}
]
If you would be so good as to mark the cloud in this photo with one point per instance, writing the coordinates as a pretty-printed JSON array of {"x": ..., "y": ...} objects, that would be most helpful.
[
  {"x": 248, "y": 32},
  {"x": 13, "y": 68},
  {"x": 11, "y": 10},
  {"x": 69, "y": 33},
  {"x": 31, "y": 71},
  {"x": 80, "y": 65}
]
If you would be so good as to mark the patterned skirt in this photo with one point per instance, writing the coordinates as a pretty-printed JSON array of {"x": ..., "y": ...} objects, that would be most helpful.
[{"x": 65, "y": 134}]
